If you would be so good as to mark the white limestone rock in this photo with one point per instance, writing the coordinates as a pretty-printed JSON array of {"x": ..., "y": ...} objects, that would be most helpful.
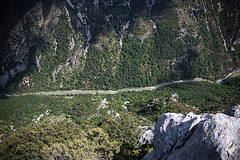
[
  {"x": 146, "y": 136},
  {"x": 104, "y": 104},
  {"x": 196, "y": 137}
]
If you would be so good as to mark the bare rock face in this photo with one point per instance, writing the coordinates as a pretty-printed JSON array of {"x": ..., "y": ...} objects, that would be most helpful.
[
  {"x": 233, "y": 111},
  {"x": 146, "y": 136},
  {"x": 196, "y": 137}
]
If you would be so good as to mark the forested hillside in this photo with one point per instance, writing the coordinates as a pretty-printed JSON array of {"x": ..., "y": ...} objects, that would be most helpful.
[
  {"x": 116, "y": 44},
  {"x": 109, "y": 125}
]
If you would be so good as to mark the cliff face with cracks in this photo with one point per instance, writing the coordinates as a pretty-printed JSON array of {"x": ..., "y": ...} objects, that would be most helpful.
[{"x": 206, "y": 136}]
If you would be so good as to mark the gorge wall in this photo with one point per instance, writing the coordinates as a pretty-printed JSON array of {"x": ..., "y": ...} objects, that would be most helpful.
[{"x": 109, "y": 44}]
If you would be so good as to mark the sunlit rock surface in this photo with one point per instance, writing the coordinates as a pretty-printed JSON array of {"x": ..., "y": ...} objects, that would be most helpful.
[{"x": 206, "y": 136}]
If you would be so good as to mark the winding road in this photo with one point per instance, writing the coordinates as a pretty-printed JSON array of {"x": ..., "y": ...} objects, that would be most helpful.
[{"x": 76, "y": 92}]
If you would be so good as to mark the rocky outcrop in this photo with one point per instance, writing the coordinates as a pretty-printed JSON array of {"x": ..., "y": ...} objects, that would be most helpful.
[
  {"x": 146, "y": 136},
  {"x": 233, "y": 111},
  {"x": 191, "y": 136}
]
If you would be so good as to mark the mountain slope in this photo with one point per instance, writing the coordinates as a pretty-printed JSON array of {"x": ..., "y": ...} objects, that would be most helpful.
[{"x": 113, "y": 44}]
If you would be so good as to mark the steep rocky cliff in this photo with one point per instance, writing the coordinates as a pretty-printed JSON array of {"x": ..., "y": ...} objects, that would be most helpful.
[
  {"x": 103, "y": 44},
  {"x": 206, "y": 136}
]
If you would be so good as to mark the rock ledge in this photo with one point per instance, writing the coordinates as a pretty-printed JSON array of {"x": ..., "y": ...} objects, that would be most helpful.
[{"x": 205, "y": 136}]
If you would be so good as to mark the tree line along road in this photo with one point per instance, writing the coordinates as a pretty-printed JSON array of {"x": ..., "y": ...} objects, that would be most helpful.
[{"x": 137, "y": 89}]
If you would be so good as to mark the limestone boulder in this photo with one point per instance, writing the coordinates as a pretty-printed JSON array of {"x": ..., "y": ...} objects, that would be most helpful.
[{"x": 199, "y": 137}]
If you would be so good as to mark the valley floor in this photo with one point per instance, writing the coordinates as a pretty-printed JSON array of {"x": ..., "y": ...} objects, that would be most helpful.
[{"x": 76, "y": 92}]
